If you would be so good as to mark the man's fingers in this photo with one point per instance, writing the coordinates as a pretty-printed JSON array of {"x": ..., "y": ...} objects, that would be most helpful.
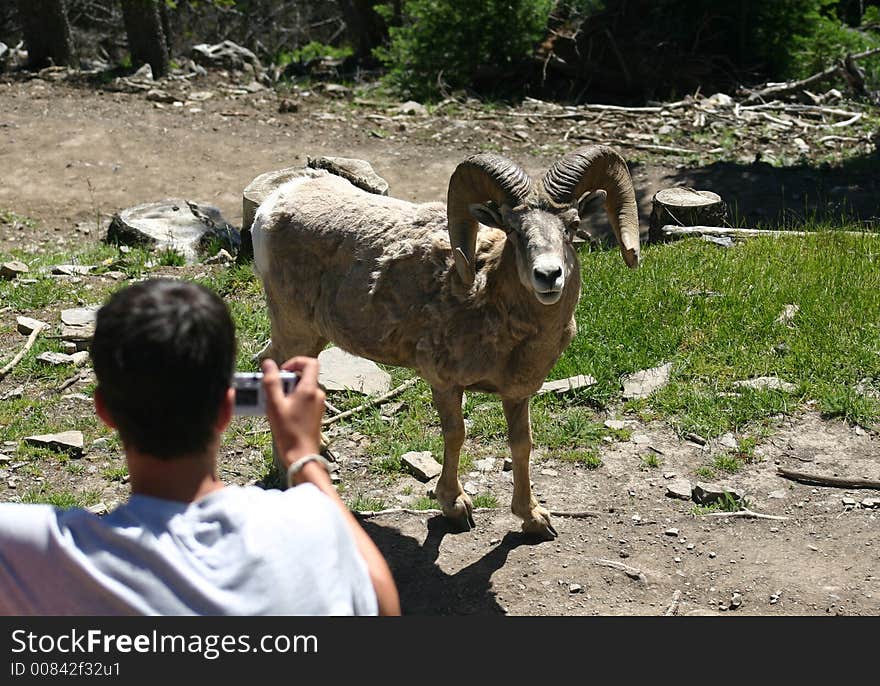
[
  {"x": 272, "y": 382},
  {"x": 307, "y": 368}
]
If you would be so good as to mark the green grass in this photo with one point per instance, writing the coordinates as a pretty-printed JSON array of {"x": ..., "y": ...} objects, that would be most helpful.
[
  {"x": 650, "y": 461},
  {"x": 485, "y": 500},
  {"x": 362, "y": 503},
  {"x": 115, "y": 473},
  {"x": 727, "y": 463},
  {"x": 630, "y": 320},
  {"x": 62, "y": 499},
  {"x": 727, "y": 504},
  {"x": 585, "y": 458},
  {"x": 424, "y": 503}
]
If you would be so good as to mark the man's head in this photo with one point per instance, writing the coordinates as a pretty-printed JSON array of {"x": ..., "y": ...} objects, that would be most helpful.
[{"x": 164, "y": 353}]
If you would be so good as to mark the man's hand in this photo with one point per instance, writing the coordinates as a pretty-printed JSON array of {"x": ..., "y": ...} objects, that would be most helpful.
[{"x": 295, "y": 419}]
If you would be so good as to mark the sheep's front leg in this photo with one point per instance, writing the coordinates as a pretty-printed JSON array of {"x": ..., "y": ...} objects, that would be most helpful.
[
  {"x": 536, "y": 519},
  {"x": 456, "y": 504}
]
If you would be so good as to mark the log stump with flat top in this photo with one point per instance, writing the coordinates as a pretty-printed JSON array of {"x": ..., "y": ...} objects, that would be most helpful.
[{"x": 684, "y": 206}]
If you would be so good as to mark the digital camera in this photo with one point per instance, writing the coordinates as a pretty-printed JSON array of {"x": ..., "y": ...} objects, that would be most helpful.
[{"x": 250, "y": 398}]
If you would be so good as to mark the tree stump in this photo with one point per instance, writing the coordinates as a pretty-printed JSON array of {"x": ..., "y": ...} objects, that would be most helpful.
[
  {"x": 188, "y": 227},
  {"x": 685, "y": 207}
]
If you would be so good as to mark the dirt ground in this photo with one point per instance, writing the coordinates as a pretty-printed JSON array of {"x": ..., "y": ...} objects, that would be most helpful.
[{"x": 71, "y": 155}]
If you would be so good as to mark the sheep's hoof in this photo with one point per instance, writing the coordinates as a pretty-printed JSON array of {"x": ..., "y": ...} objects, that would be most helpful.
[
  {"x": 538, "y": 524},
  {"x": 461, "y": 513}
]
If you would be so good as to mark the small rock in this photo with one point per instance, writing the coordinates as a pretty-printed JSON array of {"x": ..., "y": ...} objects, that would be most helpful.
[
  {"x": 549, "y": 472},
  {"x": 676, "y": 559},
  {"x": 222, "y": 257},
  {"x": 735, "y": 601},
  {"x": 68, "y": 347},
  {"x": 641, "y": 384},
  {"x": 680, "y": 488},
  {"x": 669, "y": 475},
  {"x": 4, "y": 458},
  {"x": 695, "y": 438},
  {"x": 99, "y": 509},
  {"x": 79, "y": 316},
  {"x": 788, "y": 312},
  {"x": 776, "y": 495},
  {"x": 728, "y": 440},
  {"x": 67, "y": 441},
  {"x": 565, "y": 385},
  {"x": 12, "y": 270},
  {"x": 421, "y": 465},
  {"x": 26, "y": 325},
  {"x": 71, "y": 269},
  {"x": 712, "y": 555},
  {"x": 485, "y": 465},
  {"x": 54, "y": 358},
  {"x": 616, "y": 424},
  {"x": 471, "y": 488},
  {"x": 575, "y": 588},
  {"x": 671, "y": 532},
  {"x": 341, "y": 371},
  {"x": 801, "y": 145},
  {"x": 848, "y": 502},
  {"x": 100, "y": 443},
  {"x": 767, "y": 383},
  {"x": 871, "y": 502},
  {"x": 411, "y": 108},
  {"x": 14, "y": 394},
  {"x": 706, "y": 494},
  {"x": 507, "y": 465},
  {"x": 640, "y": 439}
]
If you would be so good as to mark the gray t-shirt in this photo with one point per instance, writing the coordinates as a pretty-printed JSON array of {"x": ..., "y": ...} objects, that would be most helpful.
[{"x": 237, "y": 551}]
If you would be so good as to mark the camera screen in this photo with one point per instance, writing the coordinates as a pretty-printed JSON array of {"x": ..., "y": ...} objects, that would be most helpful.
[{"x": 246, "y": 396}]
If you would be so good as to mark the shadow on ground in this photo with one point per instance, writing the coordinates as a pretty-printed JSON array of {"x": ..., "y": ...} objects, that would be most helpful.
[{"x": 425, "y": 589}]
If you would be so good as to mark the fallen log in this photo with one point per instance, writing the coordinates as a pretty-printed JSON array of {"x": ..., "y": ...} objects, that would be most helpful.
[
  {"x": 672, "y": 230},
  {"x": 683, "y": 206},
  {"x": 833, "y": 481},
  {"x": 21, "y": 353}
]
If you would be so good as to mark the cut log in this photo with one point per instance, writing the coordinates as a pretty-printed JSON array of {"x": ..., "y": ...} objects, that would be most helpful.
[
  {"x": 187, "y": 227},
  {"x": 684, "y": 206}
]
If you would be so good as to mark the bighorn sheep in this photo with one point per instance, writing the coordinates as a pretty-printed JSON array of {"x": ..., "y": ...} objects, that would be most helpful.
[{"x": 440, "y": 289}]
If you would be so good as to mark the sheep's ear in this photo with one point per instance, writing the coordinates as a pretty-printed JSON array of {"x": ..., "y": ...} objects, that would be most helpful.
[
  {"x": 486, "y": 213},
  {"x": 590, "y": 202}
]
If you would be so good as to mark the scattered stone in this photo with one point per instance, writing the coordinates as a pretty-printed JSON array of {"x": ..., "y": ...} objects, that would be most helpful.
[
  {"x": 68, "y": 347},
  {"x": 507, "y": 464},
  {"x": 226, "y": 55},
  {"x": 680, "y": 488},
  {"x": 70, "y": 442},
  {"x": 5, "y": 458},
  {"x": 471, "y": 488},
  {"x": 720, "y": 100},
  {"x": 145, "y": 73},
  {"x": 728, "y": 440},
  {"x": 695, "y": 438},
  {"x": 411, "y": 108},
  {"x": 849, "y": 502},
  {"x": 358, "y": 172},
  {"x": 80, "y": 335},
  {"x": 641, "y": 384},
  {"x": 26, "y": 325},
  {"x": 335, "y": 89},
  {"x": 706, "y": 493},
  {"x": 342, "y": 371},
  {"x": 54, "y": 358},
  {"x": 158, "y": 95},
  {"x": 640, "y": 439},
  {"x": 787, "y": 315},
  {"x": 80, "y": 316},
  {"x": 776, "y": 495},
  {"x": 100, "y": 443},
  {"x": 671, "y": 532},
  {"x": 99, "y": 509},
  {"x": 735, "y": 601},
  {"x": 774, "y": 598},
  {"x": 71, "y": 269},
  {"x": 565, "y": 385},
  {"x": 549, "y": 472},
  {"x": 767, "y": 383},
  {"x": 222, "y": 257},
  {"x": 14, "y": 394},
  {"x": 485, "y": 465},
  {"x": 176, "y": 224},
  {"x": 12, "y": 270},
  {"x": 871, "y": 502},
  {"x": 676, "y": 559},
  {"x": 712, "y": 555},
  {"x": 421, "y": 465},
  {"x": 575, "y": 588},
  {"x": 616, "y": 424}
]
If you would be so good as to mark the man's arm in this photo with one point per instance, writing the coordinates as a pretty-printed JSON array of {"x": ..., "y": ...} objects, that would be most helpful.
[{"x": 296, "y": 427}]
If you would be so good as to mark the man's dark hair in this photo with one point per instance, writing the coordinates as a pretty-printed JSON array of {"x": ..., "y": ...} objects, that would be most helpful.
[{"x": 164, "y": 353}]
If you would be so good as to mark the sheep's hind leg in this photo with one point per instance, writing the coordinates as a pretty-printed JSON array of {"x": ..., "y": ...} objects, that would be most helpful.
[
  {"x": 456, "y": 504},
  {"x": 536, "y": 519}
]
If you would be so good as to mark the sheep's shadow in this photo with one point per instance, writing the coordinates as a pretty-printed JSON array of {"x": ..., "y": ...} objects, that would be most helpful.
[{"x": 425, "y": 589}]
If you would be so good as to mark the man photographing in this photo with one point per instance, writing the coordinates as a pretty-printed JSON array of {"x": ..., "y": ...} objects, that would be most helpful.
[{"x": 186, "y": 543}]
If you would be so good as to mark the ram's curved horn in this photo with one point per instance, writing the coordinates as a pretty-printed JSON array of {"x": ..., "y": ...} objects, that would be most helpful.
[
  {"x": 594, "y": 168},
  {"x": 478, "y": 179}
]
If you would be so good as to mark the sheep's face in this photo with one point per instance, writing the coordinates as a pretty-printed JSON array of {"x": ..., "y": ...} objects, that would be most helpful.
[{"x": 542, "y": 240}]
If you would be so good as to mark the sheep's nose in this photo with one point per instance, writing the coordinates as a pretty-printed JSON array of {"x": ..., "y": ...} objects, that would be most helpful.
[{"x": 547, "y": 275}]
